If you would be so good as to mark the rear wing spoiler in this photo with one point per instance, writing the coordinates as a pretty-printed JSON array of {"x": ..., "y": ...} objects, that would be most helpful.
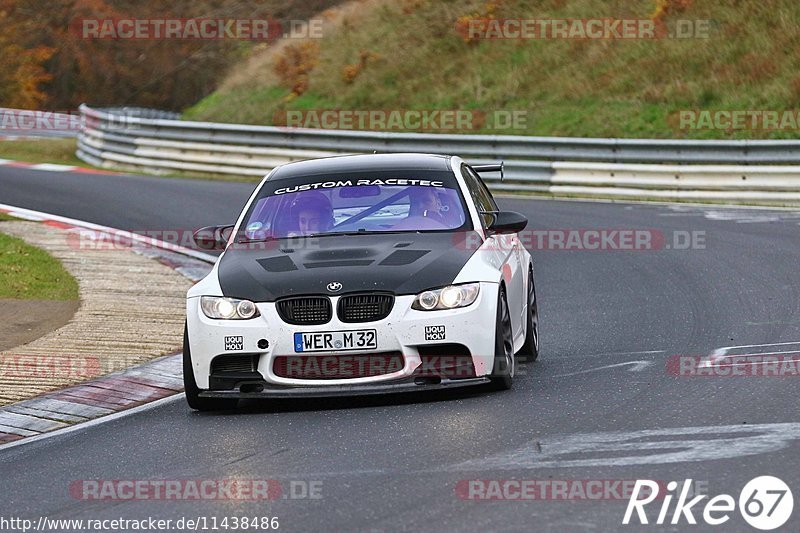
[{"x": 480, "y": 169}]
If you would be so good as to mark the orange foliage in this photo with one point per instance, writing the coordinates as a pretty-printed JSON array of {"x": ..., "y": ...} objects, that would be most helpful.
[
  {"x": 22, "y": 71},
  {"x": 350, "y": 72},
  {"x": 479, "y": 21},
  {"x": 667, "y": 8},
  {"x": 46, "y": 62},
  {"x": 295, "y": 64}
]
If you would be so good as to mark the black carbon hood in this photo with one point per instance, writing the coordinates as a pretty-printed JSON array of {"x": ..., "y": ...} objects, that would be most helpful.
[{"x": 406, "y": 263}]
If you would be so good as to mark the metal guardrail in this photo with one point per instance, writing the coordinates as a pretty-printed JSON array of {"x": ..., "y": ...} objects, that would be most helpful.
[
  {"x": 622, "y": 168},
  {"x": 142, "y": 112}
]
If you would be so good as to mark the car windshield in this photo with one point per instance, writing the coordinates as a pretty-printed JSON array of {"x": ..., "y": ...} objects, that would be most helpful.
[{"x": 410, "y": 201}]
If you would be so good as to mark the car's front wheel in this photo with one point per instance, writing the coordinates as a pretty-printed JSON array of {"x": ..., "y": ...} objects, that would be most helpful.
[
  {"x": 503, "y": 372},
  {"x": 530, "y": 348},
  {"x": 190, "y": 385}
]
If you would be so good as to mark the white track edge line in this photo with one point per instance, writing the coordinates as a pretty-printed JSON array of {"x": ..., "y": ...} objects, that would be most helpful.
[{"x": 208, "y": 258}]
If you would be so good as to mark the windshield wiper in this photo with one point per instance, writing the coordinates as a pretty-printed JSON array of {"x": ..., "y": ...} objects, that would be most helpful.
[
  {"x": 359, "y": 232},
  {"x": 265, "y": 239},
  {"x": 333, "y": 233}
]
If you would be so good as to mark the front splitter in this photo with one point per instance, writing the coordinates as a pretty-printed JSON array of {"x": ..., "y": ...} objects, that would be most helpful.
[{"x": 323, "y": 391}]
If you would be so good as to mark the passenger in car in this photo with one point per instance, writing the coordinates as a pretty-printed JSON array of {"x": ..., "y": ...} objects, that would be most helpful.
[{"x": 425, "y": 203}]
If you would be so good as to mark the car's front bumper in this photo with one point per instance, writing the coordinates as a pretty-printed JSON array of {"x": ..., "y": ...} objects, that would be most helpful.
[
  {"x": 324, "y": 391},
  {"x": 403, "y": 331}
]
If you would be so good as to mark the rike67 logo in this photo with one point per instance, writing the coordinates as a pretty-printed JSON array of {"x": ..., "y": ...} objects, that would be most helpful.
[{"x": 765, "y": 503}]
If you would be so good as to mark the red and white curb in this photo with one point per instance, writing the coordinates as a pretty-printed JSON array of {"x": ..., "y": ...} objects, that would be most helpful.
[
  {"x": 115, "y": 393},
  {"x": 50, "y": 167},
  {"x": 94, "y": 399}
]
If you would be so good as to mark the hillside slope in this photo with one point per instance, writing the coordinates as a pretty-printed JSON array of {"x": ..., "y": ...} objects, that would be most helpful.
[{"x": 408, "y": 54}]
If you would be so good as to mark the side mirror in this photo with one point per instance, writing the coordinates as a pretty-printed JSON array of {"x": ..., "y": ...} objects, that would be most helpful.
[
  {"x": 213, "y": 237},
  {"x": 507, "y": 222}
]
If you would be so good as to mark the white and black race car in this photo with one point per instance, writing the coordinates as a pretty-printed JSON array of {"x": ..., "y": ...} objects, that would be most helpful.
[{"x": 357, "y": 275}]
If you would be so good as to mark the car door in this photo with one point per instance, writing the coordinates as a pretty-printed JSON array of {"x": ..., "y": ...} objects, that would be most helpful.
[{"x": 509, "y": 244}]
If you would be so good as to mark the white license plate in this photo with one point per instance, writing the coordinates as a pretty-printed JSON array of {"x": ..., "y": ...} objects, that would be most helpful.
[{"x": 335, "y": 341}]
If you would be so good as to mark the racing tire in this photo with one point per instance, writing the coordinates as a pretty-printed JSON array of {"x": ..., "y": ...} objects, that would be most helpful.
[
  {"x": 502, "y": 375},
  {"x": 190, "y": 385},
  {"x": 530, "y": 348}
]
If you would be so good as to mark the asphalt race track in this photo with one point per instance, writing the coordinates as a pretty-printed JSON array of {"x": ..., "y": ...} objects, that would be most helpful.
[{"x": 599, "y": 404}]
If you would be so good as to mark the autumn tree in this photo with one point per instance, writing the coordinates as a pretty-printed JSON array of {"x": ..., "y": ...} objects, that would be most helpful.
[
  {"x": 22, "y": 62},
  {"x": 45, "y": 60}
]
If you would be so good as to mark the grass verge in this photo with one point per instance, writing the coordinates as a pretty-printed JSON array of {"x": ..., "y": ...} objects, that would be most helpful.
[
  {"x": 62, "y": 152},
  {"x": 409, "y": 55},
  {"x": 30, "y": 273},
  {"x": 55, "y": 151}
]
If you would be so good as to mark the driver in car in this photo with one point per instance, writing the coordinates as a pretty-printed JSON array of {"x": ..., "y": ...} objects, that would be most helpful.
[{"x": 313, "y": 213}]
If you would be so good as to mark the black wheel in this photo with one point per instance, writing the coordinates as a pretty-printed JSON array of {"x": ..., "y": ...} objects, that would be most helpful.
[
  {"x": 191, "y": 389},
  {"x": 530, "y": 349},
  {"x": 503, "y": 371}
]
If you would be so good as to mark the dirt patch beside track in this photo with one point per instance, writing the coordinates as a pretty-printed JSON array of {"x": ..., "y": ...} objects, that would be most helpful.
[{"x": 23, "y": 321}]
